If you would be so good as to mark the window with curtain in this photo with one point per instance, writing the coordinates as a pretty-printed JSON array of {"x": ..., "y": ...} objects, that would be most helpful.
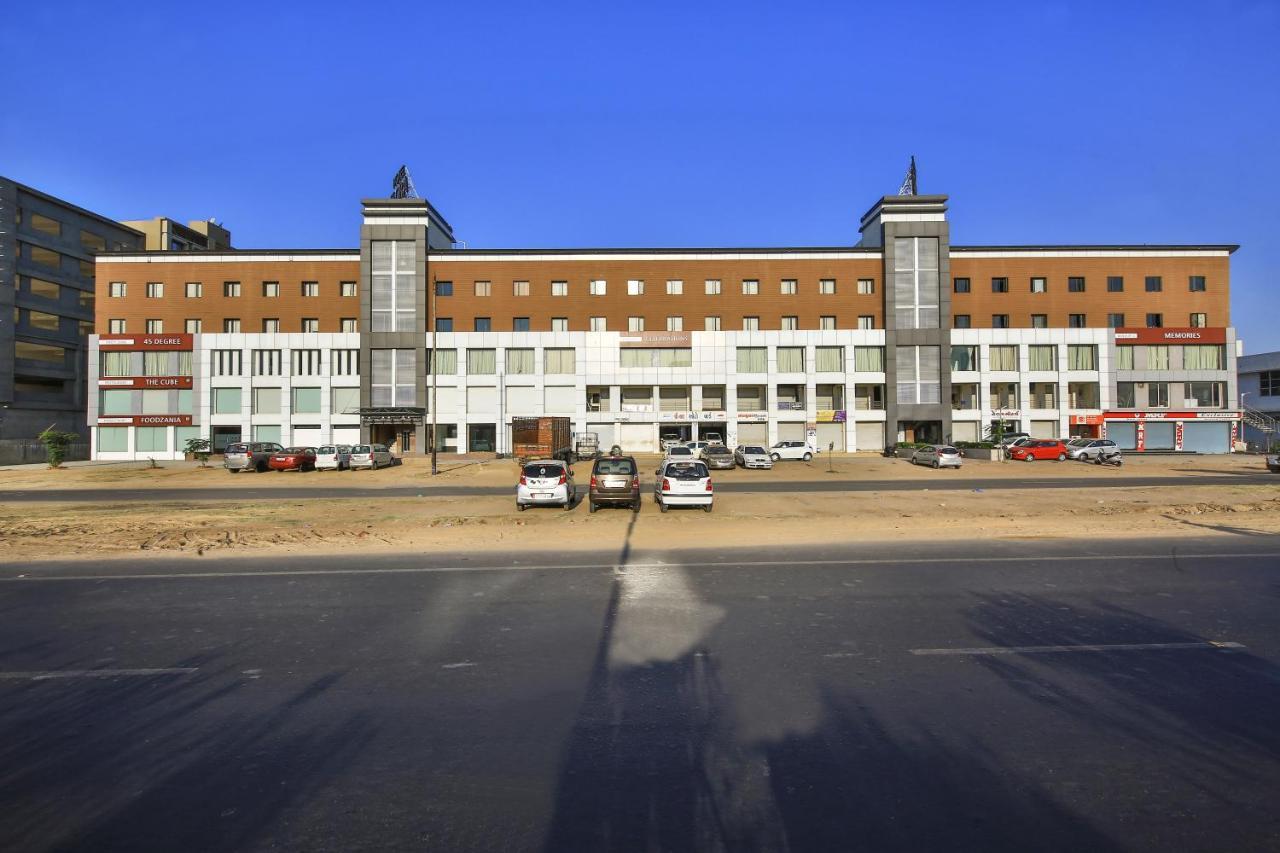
[
  {"x": 919, "y": 374},
  {"x": 1003, "y": 357},
  {"x": 184, "y": 363},
  {"x": 679, "y": 357},
  {"x": 1042, "y": 357},
  {"x": 155, "y": 364},
  {"x": 1158, "y": 357},
  {"x": 1082, "y": 357},
  {"x": 791, "y": 359},
  {"x": 116, "y": 364},
  {"x": 1202, "y": 357},
  {"x": 915, "y": 282},
  {"x": 753, "y": 360},
  {"x": 1124, "y": 358},
  {"x": 559, "y": 360},
  {"x": 829, "y": 359},
  {"x": 964, "y": 357},
  {"x": 482, "y": 361},
  {"x": 520, "y": 361},
  {"x": 393, "y": 378},
  {"x": 868, "y": 359},
  {"x": 393, "y": 285},
  {"x": 635, "y": 358},
  {"x": 445, "y": 362}
]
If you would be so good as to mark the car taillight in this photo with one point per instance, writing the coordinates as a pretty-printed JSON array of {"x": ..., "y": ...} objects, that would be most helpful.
[
  {"x": 709, "y": 485},
  {"x": 635, "y": 482},
  {"x": 666, "y": 484},
  {"x": 593, "y": 481},
  {"x": 523, "y": 481},
  {"x": 564, "y": 478}
]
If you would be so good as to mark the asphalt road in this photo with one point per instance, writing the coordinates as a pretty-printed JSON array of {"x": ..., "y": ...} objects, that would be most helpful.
[
  {"x": 1002, "y": 696},
  {"x": 944, "y": 480}
]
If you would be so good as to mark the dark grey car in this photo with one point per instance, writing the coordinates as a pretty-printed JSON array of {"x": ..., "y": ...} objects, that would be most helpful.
[
  {"x": 718, "y": 456},
  {"x": 249, "y": 456}
]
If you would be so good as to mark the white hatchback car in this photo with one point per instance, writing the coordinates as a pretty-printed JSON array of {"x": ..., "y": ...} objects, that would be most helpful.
[
  {"x": 792, "y": 450},
  {"x": 681, "y": 483},
  {"x": 546, "y": 482},
  {"x": 333, "y": 457},
  {"x": 679, "y": 452},
  {"x": 372, "y": 456}
]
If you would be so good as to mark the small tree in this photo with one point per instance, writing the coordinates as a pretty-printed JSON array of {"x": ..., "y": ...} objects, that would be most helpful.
[
  {"x": 55, "y": 445},
  {"x": 199, "y": 448}
]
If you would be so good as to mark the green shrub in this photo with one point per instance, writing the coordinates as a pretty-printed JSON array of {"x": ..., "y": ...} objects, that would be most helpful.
[
  {"x": 55, "y": 445},
  {"x": 199, "y": 448}
]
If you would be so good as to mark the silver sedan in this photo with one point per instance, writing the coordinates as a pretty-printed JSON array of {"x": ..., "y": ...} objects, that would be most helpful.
[{"x": 937, "y": 456}]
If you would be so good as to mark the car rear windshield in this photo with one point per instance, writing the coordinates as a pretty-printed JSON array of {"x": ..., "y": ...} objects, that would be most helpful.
[
  {"x": 615, "y": 466},
  {"x": 950, "y": 451},
  {"x": 328, "y": 448},
  {"x": 296, "y": 449},
  {"x": 360, "y": 448},
  {"x": 681, "y": 451},
  {"x": 542, "y": 469},
  {"x": 753, "y": 449},
  {"x": 717, "y": 450},
  {"x": 237, "y": 448},
  {"x": 686, "y": 471}
]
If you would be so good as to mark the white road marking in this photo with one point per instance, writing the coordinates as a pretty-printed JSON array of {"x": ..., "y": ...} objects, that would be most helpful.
[
  {"x": 95, "y": 673},
  {"x": 1049, "y": 650},
  {"x": 457, "y": 665},
  {"x": 419, "y": 570}
]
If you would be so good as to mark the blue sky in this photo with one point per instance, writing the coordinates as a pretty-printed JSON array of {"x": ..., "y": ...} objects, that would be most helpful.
[{"x": 678, "y": 124}]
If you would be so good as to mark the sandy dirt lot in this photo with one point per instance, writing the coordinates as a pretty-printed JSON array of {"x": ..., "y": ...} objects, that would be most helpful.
[{"x": 31, "y": 531}]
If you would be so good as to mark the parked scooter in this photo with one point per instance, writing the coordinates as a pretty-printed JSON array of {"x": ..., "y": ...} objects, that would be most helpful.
[{"x": 1109, "y": 456}]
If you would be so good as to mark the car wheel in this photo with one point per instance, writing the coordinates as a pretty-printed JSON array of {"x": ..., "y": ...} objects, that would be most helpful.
[
  {"x": 521, "y": 507},
  {"x": 775, "y": 457},
  {"x": 662, "y": 506},
  {"x": 1028, "y": 458},
  {"x": 635, "y": 505},
  {"x": 234, "y": 470},
  {"x": 1062, "y": 457},
  {"x": 807, "y": 457},
  {"x": 707, "y": 508},
  {"x": 936, "y": 465},
  {"x": 591, "y": 506}
]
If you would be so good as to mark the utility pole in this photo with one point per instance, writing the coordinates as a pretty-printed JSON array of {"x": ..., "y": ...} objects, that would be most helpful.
[{"x": 432, "y": 366}]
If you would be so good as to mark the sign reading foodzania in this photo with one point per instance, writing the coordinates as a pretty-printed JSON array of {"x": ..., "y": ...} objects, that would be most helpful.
[
  {"x": 153, "y": 343},
  {"x": 1171, "y": 336},
  {"x": 146, "y": 420}
]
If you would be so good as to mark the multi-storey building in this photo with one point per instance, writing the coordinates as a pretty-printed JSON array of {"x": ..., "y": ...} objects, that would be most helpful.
[
  {"x": 47, "y": 249},
  {"x": 900, "y": 337},
  {"x": 162, "y": 234}
]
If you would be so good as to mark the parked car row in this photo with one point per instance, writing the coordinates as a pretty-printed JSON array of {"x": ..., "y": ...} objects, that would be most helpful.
[
  {"x": 615, "y": 481},
  {"x": 717, "y": 456},
  {"x": 263, "y": 456}
]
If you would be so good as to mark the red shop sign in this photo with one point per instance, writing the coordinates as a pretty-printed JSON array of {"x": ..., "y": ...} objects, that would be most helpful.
[
  {"x": 145, "y": 382},
  {"x": 145, "y": 420},
  {"x": 153, "y": 343}
]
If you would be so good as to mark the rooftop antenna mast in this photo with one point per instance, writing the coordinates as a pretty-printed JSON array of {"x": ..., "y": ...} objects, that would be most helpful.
[
  {"x": 402, "y": 184},
  {"x": 909, "y": 182}
]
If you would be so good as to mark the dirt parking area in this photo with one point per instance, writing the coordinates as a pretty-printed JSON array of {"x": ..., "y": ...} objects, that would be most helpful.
[{"x": 31, "y": 530}]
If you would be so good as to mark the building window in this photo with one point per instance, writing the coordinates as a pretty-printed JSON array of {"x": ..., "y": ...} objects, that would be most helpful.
[
  {"x": 116, "y": 327},
  {"x": 651, "y": 357},
  {"x": 712, "y": 287},
  {"x": 306, "y": 362},
  {"x": 1003, "y": 358},
  {"x": 1155, "y": 321},
  {"x": 1042, "y": 357},
  {"x": 1198, "y": 321},
  {"x": 483, "y": 288},
  {"x": 675, "y": 287},
  {"x": 750, "y": 324},
  {"x": 227, "y": 362},
  {"x": 675, "y": 324},
  {"x": 193, "y": 326},
  {"x": 828, "y": 359},
  {"x": 310, "y": 288},
  {"x": 520, "y": 362},
  {"x": 45, "y": 225},
  {"x": 444, "y": 288},
  {"x": 1155, "y": 284},
  {"x": 231, "y": 289},
  {"x": 1039, "y": 285},
  {"x": 964, "y": 357},
  {"x": 1196, "y": 284},
  {"x": 868, "y": 359},
  {"x": 393, "y": 377},
  {"x": 116, "y": 289},
  {"x": 866, "y": 321},
  {"x": 227, "y": 401},
  {"x": 1157, "y": 357},
  {"x": 482, "y": 324},
  {"x": 348, "y": 288},
  {"x": 999, "y": 321},
  {"x": 194, "y": 290},
  {"x": 519, "y": 288},
  {"x": 270, "y": 325},
  {"x": 1039, "y": 321},
  {"x": 310, "y": 324},
  {"x": 1115, "y": 321},
  {"x": 1115, "y": 284},
  {"x": 866, "y": 286},
  {"x": 711, "y": 324},
  {"x": 559, "y": 288},
  {"x": 960, "y": 285},
  {"x": 348, "y": 324},
  {"x": 597, "y": 324},
  {"x": 267, "y": 362},
  {"x": 1269, "y": 383},
  {"x": 598, "y": 287},
  {"x": 266, "y": 401},
  {"x": 231, "y": 325},
  {"x": 1075, "y": 321},
  {"x": 635, "y": 287},
  {"x": 961, "y": 321},
  {"x": 444, "y": 324},
  {"x": 1203, "y": 357},
  {"x": 393, "y": 285},
  {"x": 270, "y": 289},
  {"x": 1082, "y": 357},
  {"x": 827, "y": 322},
  {"x": 915, "y": 282},
  {"x": 519, "y": 324},
  {"x": 1124, "y": 357},
  {"x": 481, "y": 361},
  {"x": 787, "y": 287},
  {"x": 790, "y": 323},
  {"x": 116, "y": 364},
  {"x": 1208, "y": 395},
  {"x": 790, "y": 359},
  {"x": 444, "y": 362},
  {"x": 344, "y": 362},
  {"x": 999, "y": 285},
  {"x": 753, "y": 359},
  {"x": 559, "y": 324},
  {"x": 42, "y": 256},
  {"x": 559, "y": 360},
  {"x": 750, "y": 287},
  {"x": 155, "y": 327},
  {"x": 827, "y": 287},
  {"x": 635, "y": 324},
  {"x": 919, "y": 373},
  {"x": 1075, "y": 284}
]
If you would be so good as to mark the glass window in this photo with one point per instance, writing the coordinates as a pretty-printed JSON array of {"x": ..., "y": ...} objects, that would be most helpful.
[
  {"x": 866, "y": 286},
  {"x": 790, "y": 323},
  {"x": 44, "y": 289},
  {"x": 915, "y": 282},
  {"x": 675, "y": 287},
  {"x": 791, "y": 359},
  {"x": 1206, "y": 394},
  {"x": 306, "y": 401},
  {"x": 481, "y": 361},
  {"x": 39, "y": 352},
  {"x": 960, "y": 285},
  {"x": 310, "y": 324},
  {"x": 961, "y": 321},
  {"x": 1082, "y": 357},
  {"x": 116, "y": 327},
  {"x": 1039, "y": 321},
  {"x": 559, "y": 288},
  {"x": 753, "y": 359},
  {"x": 828, "y": 359},
  {"x": 227, "y": 401},
  {"x": 230, "y": 289},
  {"x": 1196, "y": 284},
  {"x": 1039, "y": 285},
  {"x": 1158, "y": 357},
  {"x": 266, "y": 401},
  {"x": 267, "y": 432},
  {"x": 675, "y": 324},
  {"x": 750, "y": 287},
  {"x": 349, "y": 288},
  {"x": 44, "y": 257},
  {"x": 348, "y": 324},
  {"x": 1155, "y": 321},
  {"x": 1115, "y": 321},
  {"x": 444, "y": 288},
  {"x": 156, "y": 364},
  {"x": 866, "y": 321},
  {"x": 41, "y": 320},
  {"x": 310, "y": 288},
  {"x": 231, "y": 325},
  {"x": 446, "y": 362},
  {"x": 750, "y": 324},
  {"x": 827, "y": 322},
  {"x": 519, "y": 324},
  {"x": 868, "y": 359},
  {"x": 393, "y": 286},
  {"x": 635, "y": 287},
  {"x": 711, "y": 324},
  {"x": 1124, "y": 358},
  {"x": 597, "y": 324},
  {"x": 270, "y": 325},
  {"x": 655, "y": 357},
  {"x": 1000, "y": 285},
  {"x": 1003, "y": 358},
  {"x": 116, "y": 289},
  {"x": 194, "y": 289},
  {"x": 116, "y": 363},
  {"x": 444, "y": 324},
  {"x": 827, "y": 287},
  {"x": 712, "y": 287},
  {"x": 1203, "y": 357},
  {"x": 393, "y": 377},
  {"x": 520, "y": 361},
  {"x": 482, "y": 324},
  {"x": 635, "y": 324},
  {"x": 1115, "y": 284},
  {"x": 113, "y": 439},
  {"x": 519, "y": 288},
  {"x": 964, "y": 357},
  {"x": 788, "y": 287},
  {"x": 1075, "y": 284},
  {"x": 999, "y": 321},
  {"x": 559, "y": 324},
  {"x": 1269, "y": 383},
  {"x": 346, "y": 401},
  {"x": 1126, "y": 398},
  {"x": 1198, "y": 321},
  {"x": 156, "y": 403},
  {"x": 1042, "y": 357},
  {"x": 155, "y": 289},
  {"x": 91, "y": 242},
  {"x": 45, "y": 225},
  {"x": 919, "y": 374},
  {"x": 1076, "y": 321},
  {"x": 598, "y": 287},
  {"x": 155, "y": 327},
  {"x": 559, "y": 360},
  {"x": 117, "y": 402},
  {"x": 1155, "y": 284},
  {"x": 270, "y": 289}
]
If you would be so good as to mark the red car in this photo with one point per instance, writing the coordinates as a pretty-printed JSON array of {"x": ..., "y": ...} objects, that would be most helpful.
[
  {"x": 293, "y": 459},
  {"x": 1039, "y": 449}
]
